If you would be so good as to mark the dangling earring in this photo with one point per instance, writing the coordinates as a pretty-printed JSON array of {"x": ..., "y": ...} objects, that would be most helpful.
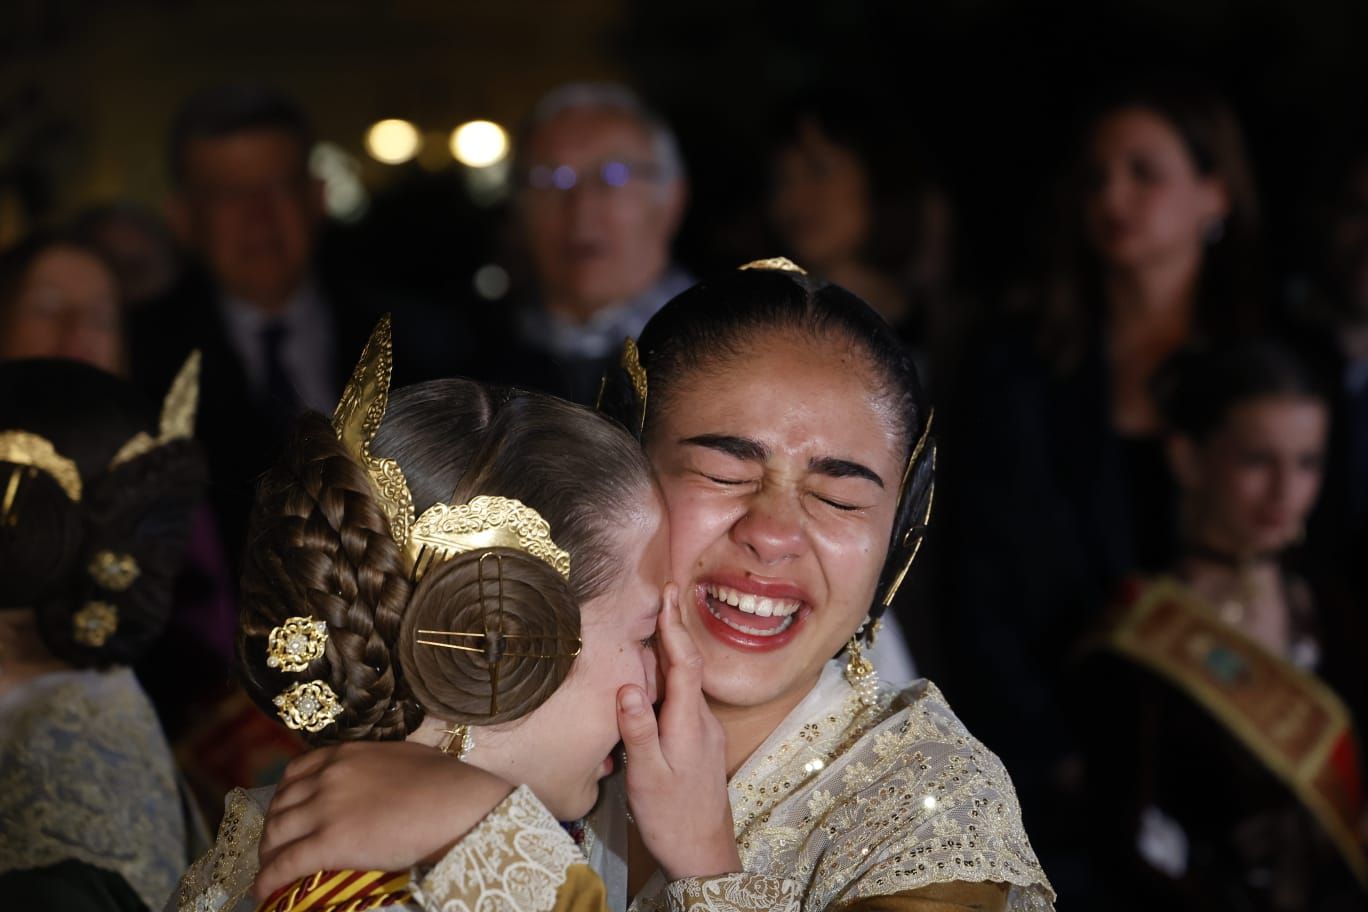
[
  {"x": 459, "y": 737},
  {"x": 859, "y": 671}
]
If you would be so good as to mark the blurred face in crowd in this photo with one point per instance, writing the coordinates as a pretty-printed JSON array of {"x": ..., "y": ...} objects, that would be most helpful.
[
  {"x": 250, "y": 208},
  {"x": 1349, "y": 242},
  {"x": 780, "y": 472},
  {"x": 1146, "y": 203},
  {"x": 66, "y": 306},
  {"x": 1250, "y": 484},
  {"x": 598, "y": 212},
  {"x": 820, "y": 205}
]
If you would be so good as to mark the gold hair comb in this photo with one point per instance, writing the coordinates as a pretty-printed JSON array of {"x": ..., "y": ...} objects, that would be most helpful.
[
  {"x": 444, "y": 530},
  {"x": 177, "y": 415}
]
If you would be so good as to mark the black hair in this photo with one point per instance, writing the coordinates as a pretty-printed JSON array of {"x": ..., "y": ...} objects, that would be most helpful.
[
  {"x": 1197, "y": 388},
  {"x": 139, "y": 509},
  {"x": 716, "y": 319},
  {"x": 224, "y": 110}
]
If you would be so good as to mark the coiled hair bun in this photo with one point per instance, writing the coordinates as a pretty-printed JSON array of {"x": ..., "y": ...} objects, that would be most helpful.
[{"x": 510, "y": 628}]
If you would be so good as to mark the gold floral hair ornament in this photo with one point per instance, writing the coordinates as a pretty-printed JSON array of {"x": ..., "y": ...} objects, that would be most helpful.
[
  {"x": 631, "y": 363},
  {"x": 444, "y": 530},
  {"x": 94, "y": 624},
  {"x": 776, "y": 264},
  {"x": 309, "y": 706},
  {"x": 114, "y": 571},
  {"x": 296, "y": 643},
  {"x": 177, "y": 415},
  {"x": 28, "y": 449}
]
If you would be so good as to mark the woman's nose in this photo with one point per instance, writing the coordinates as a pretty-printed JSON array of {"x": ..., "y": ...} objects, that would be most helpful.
[{"x": 771, "y": 530}]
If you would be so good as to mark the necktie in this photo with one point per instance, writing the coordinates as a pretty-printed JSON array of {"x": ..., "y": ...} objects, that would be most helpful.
[{"x": 281, "y": 400}]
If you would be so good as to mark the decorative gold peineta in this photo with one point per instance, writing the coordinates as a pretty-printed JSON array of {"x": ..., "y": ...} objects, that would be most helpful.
[
  {"x": 631, "y": 363},
  {"x": 776, "y": 264},
  {"x": 296, "y": 643},
  {"x": 486, "y": 521},
  {"x": 177, "y": 415},
  {"x": 309, "y": 706},
  {"x": 94, "y": 624},
  {"x": 114, "y": 571},
  {"x": 28, "y": 449}
]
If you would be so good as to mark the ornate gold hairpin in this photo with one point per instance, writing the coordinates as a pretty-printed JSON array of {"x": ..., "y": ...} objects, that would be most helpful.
[
  {"x": 443, "y": 530},
  {"x": 491, "y": 641},
  {"x": 309, "y": 706},
  {"x": 296, "y": 643},
  {"x": 776, "y": 264},
  {"x": 94, "y": 624},
  {"x": 28, "y": 449},
  {"x": 114, "y": 571},
  {"x": 922, "y": 443},
  {"x": 177, "y": 415},
  {"x": 631, "y": 363}
]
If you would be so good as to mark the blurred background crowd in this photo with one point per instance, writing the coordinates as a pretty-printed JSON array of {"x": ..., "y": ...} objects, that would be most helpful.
[{"x": 1128, "y": 245}]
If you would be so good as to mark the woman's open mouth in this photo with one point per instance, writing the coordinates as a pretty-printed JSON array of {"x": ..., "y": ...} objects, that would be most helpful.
[{"x": 750, "y": 615}]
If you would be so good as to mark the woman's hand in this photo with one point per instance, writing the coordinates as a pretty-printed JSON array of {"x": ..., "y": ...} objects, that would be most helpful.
[
  {"x": 676, "y": 766},
  {"x": 370, "y": 807}
]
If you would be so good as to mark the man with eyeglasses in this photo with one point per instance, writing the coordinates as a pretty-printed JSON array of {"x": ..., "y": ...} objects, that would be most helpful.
[{"x": 601, "y": 191}]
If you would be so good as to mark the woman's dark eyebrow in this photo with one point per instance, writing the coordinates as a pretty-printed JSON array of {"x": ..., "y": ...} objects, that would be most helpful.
[
  {"x": 755, "y": 451},
  {"x": 843, "y": 468},
  {"x": 738, "y": 447}
]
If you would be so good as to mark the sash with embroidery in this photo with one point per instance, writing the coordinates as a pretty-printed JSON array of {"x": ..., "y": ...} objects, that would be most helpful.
[
  {"x": 1291, "y": 721},
  {"x": 341, "y": 891}
]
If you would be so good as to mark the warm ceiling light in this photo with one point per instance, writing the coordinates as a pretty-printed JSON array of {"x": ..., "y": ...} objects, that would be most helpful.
[
  {"x": 479, "y": 144},
  {"x": 393, "y": 141}
]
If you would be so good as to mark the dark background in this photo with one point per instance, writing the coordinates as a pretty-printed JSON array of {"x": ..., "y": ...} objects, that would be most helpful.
[{"x": 989, "y": 89}]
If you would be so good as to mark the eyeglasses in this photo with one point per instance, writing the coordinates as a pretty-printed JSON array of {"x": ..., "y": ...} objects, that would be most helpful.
[{"x": 608, "y": 175}]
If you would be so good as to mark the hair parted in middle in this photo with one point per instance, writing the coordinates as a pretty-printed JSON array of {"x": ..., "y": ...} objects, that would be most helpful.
[{"x": 321, "y": 546}]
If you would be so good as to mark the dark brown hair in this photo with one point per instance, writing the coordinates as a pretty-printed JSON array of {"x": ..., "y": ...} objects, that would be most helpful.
[
  {"x": 320, "y": 547},
  {"x": 140, "y": 509},
  {"x": 1231, "y": 297}
]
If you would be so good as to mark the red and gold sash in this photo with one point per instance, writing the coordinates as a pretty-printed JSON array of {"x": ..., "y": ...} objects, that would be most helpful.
[
  {"x": 1294, "y": 724},
  {"x": 341, "y": 891}
]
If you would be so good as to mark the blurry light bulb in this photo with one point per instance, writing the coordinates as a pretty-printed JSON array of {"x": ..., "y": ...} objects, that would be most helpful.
[
  {"x": 491, "y": 281},
  {"x": 479, "y": 144},
  {"x": 393, "y": 141}
]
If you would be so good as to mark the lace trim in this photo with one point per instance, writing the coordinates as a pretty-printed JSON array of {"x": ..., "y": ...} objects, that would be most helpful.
[
  {"x": 732, "y": 893},
  {"x": 221, "y": 878},
  {"x": 85, "y": 775},
  {"x": 517, "y": 858}
]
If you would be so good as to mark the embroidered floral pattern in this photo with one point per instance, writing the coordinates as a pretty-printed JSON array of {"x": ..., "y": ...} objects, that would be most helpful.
[
  {"x": 732, "y": 893},
  {"x": 220, "y": 879}
]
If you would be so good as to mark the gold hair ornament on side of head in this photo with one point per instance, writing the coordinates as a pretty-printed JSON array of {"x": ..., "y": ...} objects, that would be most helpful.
[
  {"x": 94, "y": 624},
  {"x": 919, "y": 529},
  {"x": 296, "y": 643},
  {"x": 114, "y": 571},
  {"x": 775, "y": 264},
  {"x": 631, "y": 363},
  {"x": 444, "y": 530},
  {"x": 28, "y": 449},
  {"x": 309, "y": 706},
  {"x": 177, "y": 415}
]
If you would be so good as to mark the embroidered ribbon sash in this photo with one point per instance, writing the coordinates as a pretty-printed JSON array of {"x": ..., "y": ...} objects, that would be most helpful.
[{"x": 341, "y": 891}]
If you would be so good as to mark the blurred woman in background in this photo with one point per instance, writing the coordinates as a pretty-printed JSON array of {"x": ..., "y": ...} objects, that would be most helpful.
[{"x": 1222, "y": 763}]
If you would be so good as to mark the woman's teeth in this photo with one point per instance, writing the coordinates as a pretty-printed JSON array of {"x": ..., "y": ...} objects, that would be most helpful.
[{"x": 752, "y": 604}]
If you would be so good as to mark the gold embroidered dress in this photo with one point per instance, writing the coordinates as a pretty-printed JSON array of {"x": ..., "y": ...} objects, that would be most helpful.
[
  {"x": 853, "y": 800},
  {"x": 517, "y": 858},
  {"x": 87, "y": 783}
]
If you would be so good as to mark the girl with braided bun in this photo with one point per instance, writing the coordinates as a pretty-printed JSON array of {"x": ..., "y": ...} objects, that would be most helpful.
[
  {"x": 473, "y": 573},
  {"x": 788, "y": 433},
  {"x": 96, "y": 496}
]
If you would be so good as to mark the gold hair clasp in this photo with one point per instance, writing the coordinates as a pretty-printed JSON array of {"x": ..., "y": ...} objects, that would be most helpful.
[
  {"x": 631, "y": 363},
  {"x": 310, "y": 706},
  {"x": 94, "y": 624},
  {"x": 114, "y": 571},
  {"x": 775, "y": 264},
  {"x": 296, "y": 643}
]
